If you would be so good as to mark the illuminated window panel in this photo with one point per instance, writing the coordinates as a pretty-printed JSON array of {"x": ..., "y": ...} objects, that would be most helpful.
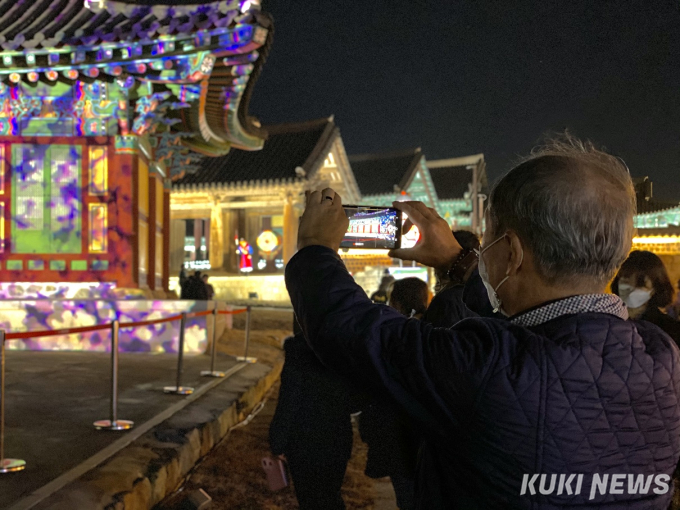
[
  {"x": 99, "y": 170},
  {"x": 79, "y": 265},
  {"x": 57, "y": 265},
  {"x": 98, "y": 227},
  {"x": 36, "y": 265},
  {"x": 15, "y": 265},
  {"x": 100, "y": 265},
  {"x": 46, "y": 199},
  {"x": 2, "y": 169},
  {"x": 2, "y": 227}
]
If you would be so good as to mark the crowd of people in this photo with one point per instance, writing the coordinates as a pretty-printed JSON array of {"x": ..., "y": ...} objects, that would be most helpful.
[
  {"x": 522, "y": 368},
  {"x": 196, "y": 286}
]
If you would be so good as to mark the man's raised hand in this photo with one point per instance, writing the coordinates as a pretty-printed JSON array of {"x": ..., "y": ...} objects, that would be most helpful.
[
  {"x": 324, "y": 222},
  {"x": 437, "y": 247}
]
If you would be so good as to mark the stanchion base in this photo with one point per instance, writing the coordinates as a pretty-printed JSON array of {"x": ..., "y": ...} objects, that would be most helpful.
[
  {"x": 115, "y": 425},
  {"x": 246, "y": 359},
  {"x": 209, "y": 373},
  {"x": 182, "y": 390},
  {"x": 12, "y": 465}
]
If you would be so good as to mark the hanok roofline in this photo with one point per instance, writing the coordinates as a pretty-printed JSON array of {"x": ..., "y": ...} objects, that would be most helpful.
[
  {"x": 206, "y": 55},
  {"x": 453, "y": 177},
  {"x": 293, "y": 156},
  {"x": 380, "y": 174}
]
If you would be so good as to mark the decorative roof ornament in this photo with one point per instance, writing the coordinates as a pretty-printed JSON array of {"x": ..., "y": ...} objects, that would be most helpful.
[{"x": 95, "y": 6}]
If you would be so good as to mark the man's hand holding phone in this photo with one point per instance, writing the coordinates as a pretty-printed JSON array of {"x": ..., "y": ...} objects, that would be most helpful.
[
  {"x": 437, "y": 247},
  {"x": 324, "y": 221}
]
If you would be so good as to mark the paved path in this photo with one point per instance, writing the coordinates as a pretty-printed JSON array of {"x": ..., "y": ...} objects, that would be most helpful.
[{"x": 54, "y": 397}]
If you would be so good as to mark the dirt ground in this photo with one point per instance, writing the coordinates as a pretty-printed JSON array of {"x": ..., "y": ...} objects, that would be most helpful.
[{"x": 231, "y": 474}]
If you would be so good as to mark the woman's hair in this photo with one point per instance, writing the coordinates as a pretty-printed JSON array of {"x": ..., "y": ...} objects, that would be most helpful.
[
  {"x": 410, "y": 294},
  {"x": 467, "y": 240},
  {"x": 645, "y": 264},
  {"x": 385, "y": 283}
]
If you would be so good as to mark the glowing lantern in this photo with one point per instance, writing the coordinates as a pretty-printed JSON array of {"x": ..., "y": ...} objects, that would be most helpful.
[
  {"x": 15, "y": 77},
  {"x": 52, "y": 75},
  {"x": 33, "y": 76}
]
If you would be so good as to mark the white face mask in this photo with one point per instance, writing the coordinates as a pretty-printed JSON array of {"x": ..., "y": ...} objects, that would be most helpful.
[
  {"x": 634, "y": 298},
  {"x": 491, "y": 292}
]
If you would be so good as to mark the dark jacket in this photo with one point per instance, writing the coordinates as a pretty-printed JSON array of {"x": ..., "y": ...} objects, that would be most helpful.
[
  {"x": 314, "y": 406},
  {"x": 447, "y": 308},
  {"x": 194, "y": 288},
  {"x": 665, "y": 322},
  {"x": 584, "y": 393}
]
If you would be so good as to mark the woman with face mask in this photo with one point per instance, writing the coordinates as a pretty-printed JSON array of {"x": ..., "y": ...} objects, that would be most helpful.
[{"x": 643, "y": 284}]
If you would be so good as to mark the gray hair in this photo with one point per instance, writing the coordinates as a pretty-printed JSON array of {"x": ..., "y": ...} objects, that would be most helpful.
[{"x": 572, "y": 206}]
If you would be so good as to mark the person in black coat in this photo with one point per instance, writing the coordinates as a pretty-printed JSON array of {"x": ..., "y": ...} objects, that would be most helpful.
[
  {"x": 312, "y": 427},
  {"x": 644, "y": 285}
]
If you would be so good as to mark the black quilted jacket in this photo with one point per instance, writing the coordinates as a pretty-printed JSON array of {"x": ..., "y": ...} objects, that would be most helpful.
[{"x": 588, "y": 394}]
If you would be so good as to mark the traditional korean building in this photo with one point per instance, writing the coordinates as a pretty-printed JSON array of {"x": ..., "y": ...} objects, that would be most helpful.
[
  {"x": 657, "y": 224},
  {"x": 101, "y": 104},
  {"x": 457, "y": 180},
  {"x": 238, "y": 215}
]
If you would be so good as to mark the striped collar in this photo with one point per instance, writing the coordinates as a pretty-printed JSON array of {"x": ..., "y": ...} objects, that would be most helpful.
[{"x": 586, "y": 303}]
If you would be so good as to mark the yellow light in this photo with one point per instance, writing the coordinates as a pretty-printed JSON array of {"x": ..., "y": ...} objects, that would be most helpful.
[
  {"x": 98, "y": 170},
  {"x": 353, "y": 252},
  {"x": 656, "y": 240},
  {"x": 98, "y": 228}
]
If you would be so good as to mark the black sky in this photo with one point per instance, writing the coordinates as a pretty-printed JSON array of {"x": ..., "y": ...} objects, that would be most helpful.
[{"x": 457, "y": 77}]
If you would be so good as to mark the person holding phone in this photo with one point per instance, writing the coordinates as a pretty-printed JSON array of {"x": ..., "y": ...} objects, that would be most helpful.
[{"x": 563, "y": 384}]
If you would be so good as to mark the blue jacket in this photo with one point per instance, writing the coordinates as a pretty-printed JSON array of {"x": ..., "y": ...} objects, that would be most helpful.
[{"x": 498, "y": 403}]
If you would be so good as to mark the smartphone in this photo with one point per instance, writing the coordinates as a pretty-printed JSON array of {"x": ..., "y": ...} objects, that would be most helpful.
[
  {"x": 275, "y": 469},
  {"x": 372, "y": 228}
]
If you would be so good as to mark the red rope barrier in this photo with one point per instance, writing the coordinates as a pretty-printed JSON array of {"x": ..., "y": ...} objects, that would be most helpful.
[
  {"x": 149, "y": 323},
  {"x": 199, "y": 314},
  {"x": 101, "y": 327},
  {"x": 232, "y": 312},
  {"x": 50, "y": 332}
]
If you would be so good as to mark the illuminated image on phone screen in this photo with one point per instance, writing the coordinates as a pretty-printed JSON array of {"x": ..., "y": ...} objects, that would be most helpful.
[{"x": 372, "y": 227}]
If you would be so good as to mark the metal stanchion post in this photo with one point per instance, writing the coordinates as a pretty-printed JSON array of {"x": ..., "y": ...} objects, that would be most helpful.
[
  {"x": 114, "y": 423},
  {"x": 247, "y": 341},
  {"x": 6, "y": 465},
  {"x": 212, "y": 372},
  {"x": 178, "y": 389}
]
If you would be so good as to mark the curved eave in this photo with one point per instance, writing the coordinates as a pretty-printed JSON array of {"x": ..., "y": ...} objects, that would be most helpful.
[{"x": 220, "y": 121}]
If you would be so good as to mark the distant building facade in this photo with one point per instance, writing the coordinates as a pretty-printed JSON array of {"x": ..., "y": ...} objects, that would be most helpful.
[{"x": 250, "y": 202}]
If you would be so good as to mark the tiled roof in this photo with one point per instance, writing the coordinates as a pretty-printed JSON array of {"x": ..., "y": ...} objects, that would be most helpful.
[
  {"x": 53, "y": 23},
  {"x": 378, "y": 174},
  {"x": 451, "y": 182},
  {"x": 288, "y": 146},
  {"x": 652, "y": 206}
]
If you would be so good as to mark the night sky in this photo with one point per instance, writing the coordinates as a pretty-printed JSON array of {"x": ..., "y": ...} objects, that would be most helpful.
[{"x": 458, "y": 77}]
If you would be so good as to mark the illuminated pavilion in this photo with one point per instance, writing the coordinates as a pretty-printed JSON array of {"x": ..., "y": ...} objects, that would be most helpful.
[{"x": 101, "y": 104}]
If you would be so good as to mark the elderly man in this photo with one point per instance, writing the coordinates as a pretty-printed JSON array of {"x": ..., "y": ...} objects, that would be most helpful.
[{"x": 565, "y": 403}]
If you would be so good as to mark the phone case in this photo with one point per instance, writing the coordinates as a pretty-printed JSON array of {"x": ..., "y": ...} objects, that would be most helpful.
[{"x": 275, "y": 469}]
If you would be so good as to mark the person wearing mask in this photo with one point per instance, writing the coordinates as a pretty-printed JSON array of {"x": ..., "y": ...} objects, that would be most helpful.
[
  {"x": 448, "y": 306},
  {"x": 564, "y": 384},
  {"x": 381, "y": 295},
  {"x": 391, "y": 437},
  {"x": 643, "y": 284},
  {"x": 210, "y": 290},
  {"x": 312, "y": 426}
]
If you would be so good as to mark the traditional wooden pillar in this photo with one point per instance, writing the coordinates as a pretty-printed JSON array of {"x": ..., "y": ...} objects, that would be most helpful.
[
  {"x": 290, "y": 229},
  {"x": 216, "y": 235}
]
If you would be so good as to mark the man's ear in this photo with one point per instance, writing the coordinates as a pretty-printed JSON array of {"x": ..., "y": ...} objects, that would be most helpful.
[{"x": 516, "y": 256}]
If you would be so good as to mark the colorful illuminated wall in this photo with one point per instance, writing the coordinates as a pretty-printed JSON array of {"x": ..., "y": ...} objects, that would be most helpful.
[{"x": 43, "y": 314}]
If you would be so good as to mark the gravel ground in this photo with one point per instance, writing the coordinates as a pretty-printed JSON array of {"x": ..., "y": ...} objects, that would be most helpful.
[{"x": 231, "y": 473}]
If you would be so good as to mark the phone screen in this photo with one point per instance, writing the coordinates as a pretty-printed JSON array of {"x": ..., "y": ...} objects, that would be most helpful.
[{"x": 372, "y": 227}]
